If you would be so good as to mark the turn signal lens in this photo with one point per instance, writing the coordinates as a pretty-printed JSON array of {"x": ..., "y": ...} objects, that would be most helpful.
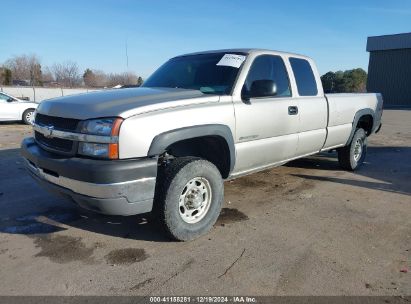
[{"x": 113, "y": 152}]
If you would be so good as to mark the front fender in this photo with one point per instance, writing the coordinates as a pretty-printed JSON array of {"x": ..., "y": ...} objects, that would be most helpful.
[{"x": 164, "y": 140}]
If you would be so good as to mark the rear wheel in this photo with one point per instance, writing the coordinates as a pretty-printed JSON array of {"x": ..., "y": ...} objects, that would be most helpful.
[
  {"x": 28, "y": 116},
  {"x": 352, "y": 156},
  {"x": 189, "y": 195}
]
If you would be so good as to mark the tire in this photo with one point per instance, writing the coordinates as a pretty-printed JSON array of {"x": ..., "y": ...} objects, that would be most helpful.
[
  {"x": 28, "y": 116},
  {"x": 175, "y": 204},
  {"x": 351, "y": 157}
]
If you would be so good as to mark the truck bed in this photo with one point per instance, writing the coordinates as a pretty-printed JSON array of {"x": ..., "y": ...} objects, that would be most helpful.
[{"x": 341, "y": 110}]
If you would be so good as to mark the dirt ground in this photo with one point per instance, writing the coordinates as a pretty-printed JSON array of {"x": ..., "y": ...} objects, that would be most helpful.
[{"x": 307, "y": 228}]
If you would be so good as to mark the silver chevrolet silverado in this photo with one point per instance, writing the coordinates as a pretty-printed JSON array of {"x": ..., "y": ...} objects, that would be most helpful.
[{"x": 200, "y": 118}]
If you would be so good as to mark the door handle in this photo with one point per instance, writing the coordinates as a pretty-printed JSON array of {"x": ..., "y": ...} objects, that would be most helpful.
[{"x": 293, "y": 110}]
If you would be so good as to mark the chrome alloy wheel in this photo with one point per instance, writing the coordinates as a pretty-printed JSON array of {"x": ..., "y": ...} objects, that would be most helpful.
[
  {"x": 195, "y": 200},
  {"x": 358, "y": 147}
]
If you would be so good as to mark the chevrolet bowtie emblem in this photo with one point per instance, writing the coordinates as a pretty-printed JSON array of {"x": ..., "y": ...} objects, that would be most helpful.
[{"x": 49, "y": 131}]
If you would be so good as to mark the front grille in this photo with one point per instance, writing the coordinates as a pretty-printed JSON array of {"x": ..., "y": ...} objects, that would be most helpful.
[
  {"x": 54, "y": 143},
  {"x": 59, "y": 123}
]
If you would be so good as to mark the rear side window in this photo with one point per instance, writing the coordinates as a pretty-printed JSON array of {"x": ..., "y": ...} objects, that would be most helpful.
[{"x": 304, "y": 77}]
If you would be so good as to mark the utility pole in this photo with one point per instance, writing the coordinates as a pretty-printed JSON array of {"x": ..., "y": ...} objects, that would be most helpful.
[
  {"x": 128, "y": 80},
  {"x": 126, "y": 55}
]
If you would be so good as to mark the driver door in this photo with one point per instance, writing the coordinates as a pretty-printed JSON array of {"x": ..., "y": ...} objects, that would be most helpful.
[{"x": 266, "y": 127}]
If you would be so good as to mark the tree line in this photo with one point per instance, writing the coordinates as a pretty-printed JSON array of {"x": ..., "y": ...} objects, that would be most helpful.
[
  {"x": 27, "y": 70},
  {"x": 349, "y": 81}
]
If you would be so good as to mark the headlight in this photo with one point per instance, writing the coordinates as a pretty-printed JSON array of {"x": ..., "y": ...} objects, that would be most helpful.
[
  {"x": 92, "y": 149},
  {"x": 109, "y": 127},
  {"x": 98, "y": 126}
]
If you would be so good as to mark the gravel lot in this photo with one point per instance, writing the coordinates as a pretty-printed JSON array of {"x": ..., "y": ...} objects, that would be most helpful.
[{"x": 307, "y": 228}]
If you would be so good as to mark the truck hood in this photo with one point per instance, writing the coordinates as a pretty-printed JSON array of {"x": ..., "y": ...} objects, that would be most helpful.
[{"x": 121, "y": 102}]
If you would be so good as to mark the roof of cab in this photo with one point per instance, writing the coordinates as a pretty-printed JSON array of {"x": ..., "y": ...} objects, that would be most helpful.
[{"x": 244, "y": 50}]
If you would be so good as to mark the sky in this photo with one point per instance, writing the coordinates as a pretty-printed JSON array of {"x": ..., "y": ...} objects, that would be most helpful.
[{"x": 95, "y": 33}]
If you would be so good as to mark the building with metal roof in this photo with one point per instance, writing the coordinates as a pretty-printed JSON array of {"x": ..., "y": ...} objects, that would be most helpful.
[{"x": 389, "y": 68}]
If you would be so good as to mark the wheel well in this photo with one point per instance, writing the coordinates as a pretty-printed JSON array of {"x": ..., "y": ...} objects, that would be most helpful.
[
  {"x": 366, "y": 122},
  {"x": 22, "y": 114},
  {"x": 212, "y": 148}
]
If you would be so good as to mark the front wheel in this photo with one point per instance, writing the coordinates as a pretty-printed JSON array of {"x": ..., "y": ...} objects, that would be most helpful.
[
  {"x": 189, "y": 197},
  {"x": 352, "y": 156},
  {"x": 28, "y": 116}
]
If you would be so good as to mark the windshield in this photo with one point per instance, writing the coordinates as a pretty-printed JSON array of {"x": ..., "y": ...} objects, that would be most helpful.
[{"x": 213, "y": 73}]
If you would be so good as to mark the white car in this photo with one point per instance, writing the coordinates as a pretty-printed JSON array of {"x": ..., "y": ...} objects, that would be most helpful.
[{"x": 14, "y": 109}]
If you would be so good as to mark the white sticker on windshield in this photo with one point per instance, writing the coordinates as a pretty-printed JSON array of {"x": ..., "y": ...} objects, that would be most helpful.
[{"x": 232, "y": 60}]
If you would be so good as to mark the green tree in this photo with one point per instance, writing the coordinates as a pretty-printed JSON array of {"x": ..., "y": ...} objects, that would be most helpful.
[
  {"x": 349, "y": 81},
  {"x": 355, "y": 80},
  {"x": 339, "y": 82},
  {"x": 5, "y": 76},
  {"x": 88, "y": 77},
  {"x": 328, "y": 80}
]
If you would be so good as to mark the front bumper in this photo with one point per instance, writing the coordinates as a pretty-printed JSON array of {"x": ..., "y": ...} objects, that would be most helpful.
[{"x": 119, "y": 187}]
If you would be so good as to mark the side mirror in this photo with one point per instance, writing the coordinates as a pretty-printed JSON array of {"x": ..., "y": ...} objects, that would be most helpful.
[
  {"x": 263, "y": 88},
  {"x": 10, "y": 99}
]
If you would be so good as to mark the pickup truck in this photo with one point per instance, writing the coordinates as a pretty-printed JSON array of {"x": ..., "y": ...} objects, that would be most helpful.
[
  {"x": 200, "y": 119},
  {"x": 14, "y": 109}
]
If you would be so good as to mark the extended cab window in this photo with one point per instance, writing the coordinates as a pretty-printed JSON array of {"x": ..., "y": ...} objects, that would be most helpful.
[
  {"x": 304, "y": 77},
  {"x": 269, "y": 67}
]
